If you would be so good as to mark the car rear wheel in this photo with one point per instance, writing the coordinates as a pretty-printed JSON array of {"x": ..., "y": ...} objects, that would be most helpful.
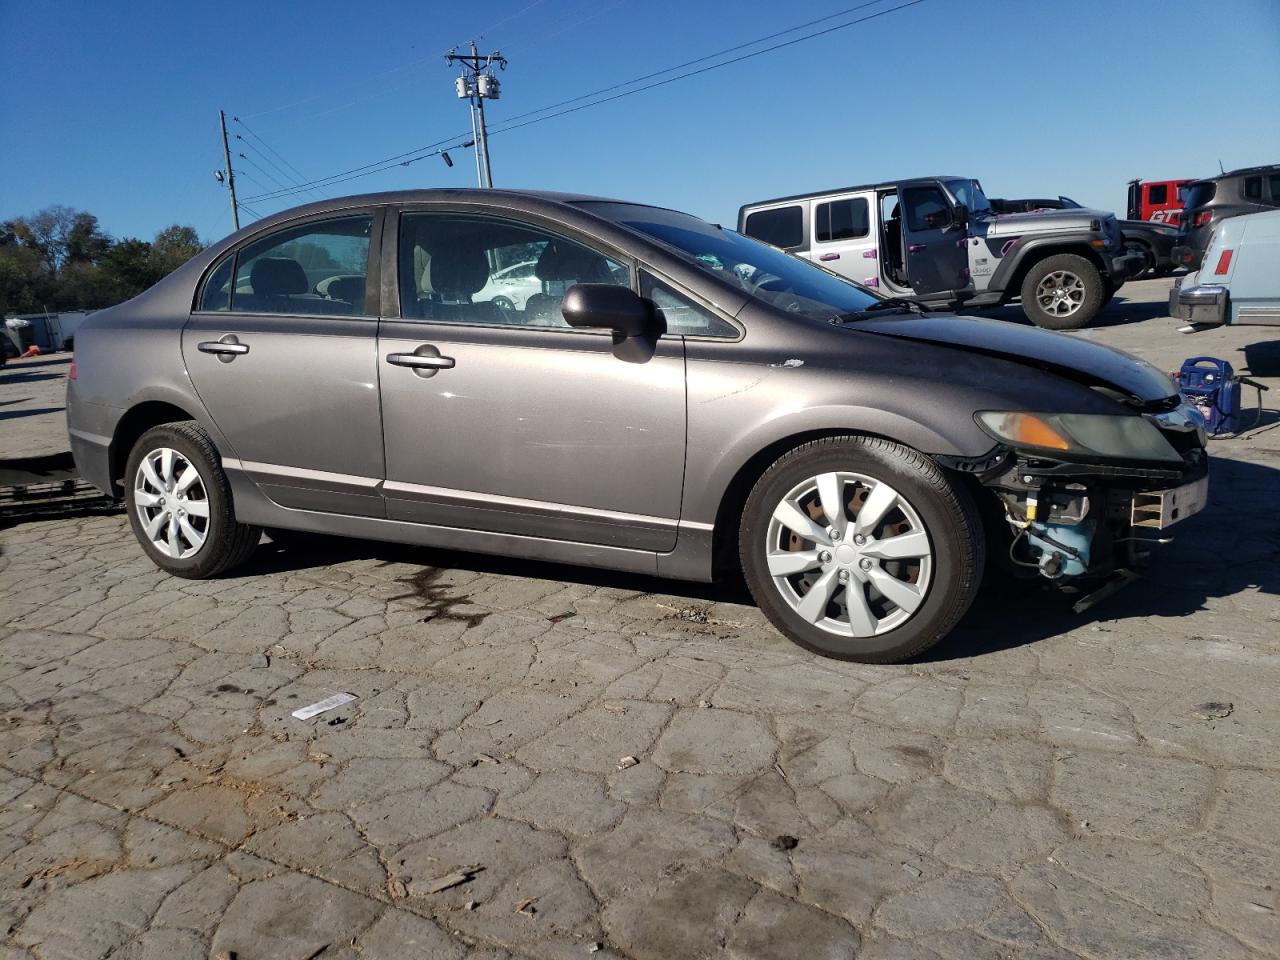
[
  {"x": 179, "y": 503},
  {"x": 1148, "y": 259},
  {"x": 858, "y": 548},
  {"x": 1062, "y": 292}
]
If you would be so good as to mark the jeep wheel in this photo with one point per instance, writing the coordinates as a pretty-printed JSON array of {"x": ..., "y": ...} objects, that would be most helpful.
[{"x": 1063, "y": 292}]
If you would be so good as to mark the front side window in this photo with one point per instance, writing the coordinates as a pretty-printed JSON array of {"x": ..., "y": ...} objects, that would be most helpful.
[
  {"x": 318, "y": 268},
  {"x": 846, "y": 219},
  {"x": 1158, "y": 193},
  {"x": 758, "y": 269},
  {"x": 782, "y": 227},
  {"x": 460, "y": 268},
  {"x": 927, "y": 208},
  {"x": 683, "y": 317}
]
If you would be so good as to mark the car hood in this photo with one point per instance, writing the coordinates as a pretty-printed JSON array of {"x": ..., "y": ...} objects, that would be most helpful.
[
  {"x": 1089, "y": 363},
  {"x": 1044, "y": 221}
]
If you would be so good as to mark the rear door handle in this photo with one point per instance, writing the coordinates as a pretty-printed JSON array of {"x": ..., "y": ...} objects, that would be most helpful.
[
  {"x": 226, "y": 349},
  {"x": 916, "y": 247},
  {"x": 826, "y": 257},
  {"x": 425, "y": 361}
]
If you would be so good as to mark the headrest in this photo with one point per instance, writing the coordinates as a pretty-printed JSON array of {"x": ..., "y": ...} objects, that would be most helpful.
[
  {"x": 458, "y": 271},
  {"x": 277, "y": 277},
  {"x": 561, "y": 260},
  {"x": 350, "y": 289}
]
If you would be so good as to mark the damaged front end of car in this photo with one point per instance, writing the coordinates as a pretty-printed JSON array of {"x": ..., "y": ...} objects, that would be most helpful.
[{"x": 1083, "y": 498}]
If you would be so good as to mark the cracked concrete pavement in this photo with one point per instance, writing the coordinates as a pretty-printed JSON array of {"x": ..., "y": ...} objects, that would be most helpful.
[{"x": 1043, "y": 786}]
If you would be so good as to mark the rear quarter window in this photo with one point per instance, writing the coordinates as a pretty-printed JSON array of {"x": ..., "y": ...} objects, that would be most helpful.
[{"x": 780, "y": 226}]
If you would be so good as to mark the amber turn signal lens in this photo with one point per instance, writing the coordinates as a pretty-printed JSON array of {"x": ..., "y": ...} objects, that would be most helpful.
[{"x": 1023, "y": 428}]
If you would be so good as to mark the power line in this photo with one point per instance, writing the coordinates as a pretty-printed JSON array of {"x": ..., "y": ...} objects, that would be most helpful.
[
  {"x": 380, "y": 165},
  {"x": 295, "y": 191},
  {"x": 690, "y": 63},
  {"x": 298, "y": 176},
  {"x": 708, "y": 69},
  {"x": 393, "y": 70}
]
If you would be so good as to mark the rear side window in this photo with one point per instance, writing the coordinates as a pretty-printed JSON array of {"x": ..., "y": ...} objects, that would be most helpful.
[
  {"x": 1253, "y": 189},
  {"x": 842, "y": 220},
  {"x": 217, "y": 289},
  {"x": 1158, "y": 193},
  {"x": 781, "y": 226},
  {"x": 317, "y": 269},
  {"x": 1198, "y": 194},
  {"x": 1275, "y": 189}
]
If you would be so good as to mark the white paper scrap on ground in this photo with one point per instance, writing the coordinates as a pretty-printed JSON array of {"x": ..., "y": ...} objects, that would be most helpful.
[{"x": 320, "y": 706}]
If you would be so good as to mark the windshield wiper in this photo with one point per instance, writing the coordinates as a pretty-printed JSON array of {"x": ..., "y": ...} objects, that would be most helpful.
[{"x": 887, "y": 305}]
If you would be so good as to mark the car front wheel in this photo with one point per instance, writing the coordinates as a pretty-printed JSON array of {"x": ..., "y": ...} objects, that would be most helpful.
[
  {"x": 859, "y": 548},
  {"x": 179, "y": 503},
  {"x": 1062, "y": 292}
]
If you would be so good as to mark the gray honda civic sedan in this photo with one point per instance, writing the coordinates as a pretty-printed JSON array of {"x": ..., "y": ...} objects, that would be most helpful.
[{"x": 676, "y": 399}]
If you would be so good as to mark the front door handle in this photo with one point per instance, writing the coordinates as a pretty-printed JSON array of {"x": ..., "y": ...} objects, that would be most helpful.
[
  {"x": 425, "y": 361},
  {"x": 828, "y": 257},
  {"x": 916, "y": 247},
  {"x": 225, "y": 349}
]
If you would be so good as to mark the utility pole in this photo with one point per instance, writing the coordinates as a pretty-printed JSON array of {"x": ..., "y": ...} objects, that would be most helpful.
[
  {"x": 477, "y": 84},
  {"x": 231, "y": 177}
]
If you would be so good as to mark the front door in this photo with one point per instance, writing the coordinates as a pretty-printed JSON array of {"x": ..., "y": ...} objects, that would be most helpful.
[
  {"x": 282, "y": 352},
  {"x": 500, "y": 417},
  {"x": 936, "y": 254}
]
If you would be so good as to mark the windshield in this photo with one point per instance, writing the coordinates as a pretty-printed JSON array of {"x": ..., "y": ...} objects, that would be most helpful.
[
  {"x": 969, "y": 192},
  {"x": 1198, "y": 194},
  {"x": 762, "y": 271}
]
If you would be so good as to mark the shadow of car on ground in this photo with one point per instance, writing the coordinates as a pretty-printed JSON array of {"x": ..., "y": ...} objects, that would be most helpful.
[{"x": 1222, "y": 551}]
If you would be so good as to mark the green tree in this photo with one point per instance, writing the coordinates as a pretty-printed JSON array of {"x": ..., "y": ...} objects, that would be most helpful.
[{"x": 172, "y": 247}]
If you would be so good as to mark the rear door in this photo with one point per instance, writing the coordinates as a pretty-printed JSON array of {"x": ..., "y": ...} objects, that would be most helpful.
[
  {"x": 937, "y": 258},
  {"x": 282, "y": 352},
  {"x": 842, "y": 237}
]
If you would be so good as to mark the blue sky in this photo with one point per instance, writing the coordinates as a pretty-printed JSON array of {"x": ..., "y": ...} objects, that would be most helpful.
[{"x": 113, "y": 107}]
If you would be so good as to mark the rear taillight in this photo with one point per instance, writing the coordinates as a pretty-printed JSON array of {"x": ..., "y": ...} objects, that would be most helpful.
[
  {"x": 71, "y": 373},
  {"x": 1224, "y": 263},
  {"x": 1203, "y": 217}
]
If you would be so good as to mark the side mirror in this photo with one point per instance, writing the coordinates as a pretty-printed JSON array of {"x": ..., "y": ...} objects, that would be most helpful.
[
  {"x": 960, "y": 215},
  {"x": 610, "y": 307}
]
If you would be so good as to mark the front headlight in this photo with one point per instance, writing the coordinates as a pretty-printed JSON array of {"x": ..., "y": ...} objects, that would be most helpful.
[{"x": 1080, "y": 434}]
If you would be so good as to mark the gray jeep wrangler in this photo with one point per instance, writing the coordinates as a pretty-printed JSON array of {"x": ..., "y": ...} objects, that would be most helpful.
[{"x": 937, "y": 239}]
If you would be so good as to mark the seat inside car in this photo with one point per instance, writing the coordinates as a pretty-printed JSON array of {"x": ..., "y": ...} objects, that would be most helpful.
[
  {"x": 279, "y": 286},
  {"x": 564, "y": 264},
  {"x": 454, "y": 275},
  {"x": 350, "y": 289}
]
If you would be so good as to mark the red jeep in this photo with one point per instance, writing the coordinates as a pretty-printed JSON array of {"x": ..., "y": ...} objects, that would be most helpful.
[{"x": 1158, "y": 200}]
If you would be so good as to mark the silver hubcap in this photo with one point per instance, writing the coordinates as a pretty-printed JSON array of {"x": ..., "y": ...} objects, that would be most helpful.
[
  {"x": 849, "y": 554},
  {"x": 172, "y": 503},
  {"x": 1061, "y": 293}
]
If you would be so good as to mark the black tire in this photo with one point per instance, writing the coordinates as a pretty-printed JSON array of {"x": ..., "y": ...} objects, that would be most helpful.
[
  {"x": 504, "y": 304},
  {"x": 950, "y": 518},
  {"x": 1148, "y": 268},
  {"x": 1090, "y": 278},
  {"x": 227, "y": 543}
]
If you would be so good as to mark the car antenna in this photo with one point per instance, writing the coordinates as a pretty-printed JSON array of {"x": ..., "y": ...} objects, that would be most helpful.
[{"x": 1221, "y": 168}]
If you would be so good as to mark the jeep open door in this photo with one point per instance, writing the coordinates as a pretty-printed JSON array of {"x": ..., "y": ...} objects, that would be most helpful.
[{"x": 934, "y": 239}]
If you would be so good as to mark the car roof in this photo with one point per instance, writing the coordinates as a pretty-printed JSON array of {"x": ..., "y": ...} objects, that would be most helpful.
[
  {"x": 882, "y": 185},
  {"x": 1241, "y": 172}
]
